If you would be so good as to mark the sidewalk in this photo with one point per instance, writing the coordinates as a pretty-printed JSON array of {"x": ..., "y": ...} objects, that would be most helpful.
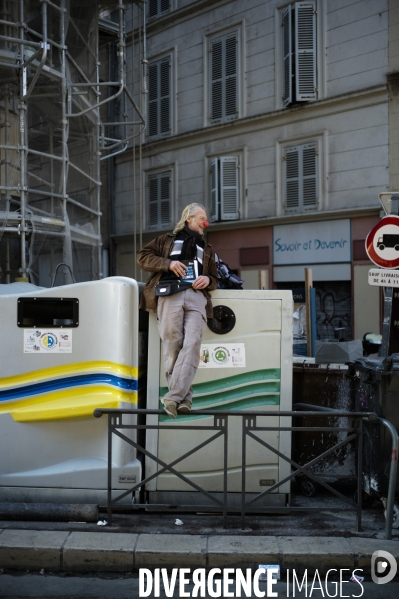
[{"x": 66, "y": 551}]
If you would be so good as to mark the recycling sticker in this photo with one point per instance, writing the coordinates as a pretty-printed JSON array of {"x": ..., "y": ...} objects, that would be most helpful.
[{"x": 228, "y": 355}]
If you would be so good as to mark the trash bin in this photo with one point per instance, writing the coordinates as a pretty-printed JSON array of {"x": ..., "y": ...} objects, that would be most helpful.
[
  {"x": 327, "y": 386},
  {"x": 376, "y": 389}
]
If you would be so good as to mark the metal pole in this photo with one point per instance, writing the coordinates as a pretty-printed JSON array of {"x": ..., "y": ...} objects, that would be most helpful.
[
  {"x": 243, "y": 466},
  {"x": 111, "y": 420},
  {"x": 388, "y": 295},
  {"x": 225, "y": 424},
  {"x": 392, "y": 478},
  {"x": 359, "y": 425},
  {"x": 23, "y": 139}
]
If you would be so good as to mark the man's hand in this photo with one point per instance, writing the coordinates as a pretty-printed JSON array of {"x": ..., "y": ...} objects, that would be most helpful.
[
  {"x": 178, "y": 268},
  {"x": 201, "y": 282}
]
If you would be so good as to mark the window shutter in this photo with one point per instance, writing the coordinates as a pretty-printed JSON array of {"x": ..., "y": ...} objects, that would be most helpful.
[
  {"x": 300, "y": 178},
  {"x": 214, "y": 190},
  {"x": 223, "y": 73},
  {"x": 165, "y": 96},
  {"x": 216, "y": 80},
  {"x": 231, "y": 75},
  {"x": 309, "y": 176},
  {"x": 305, "y": 51},
  {"x": 159, "y": 200},
  {"x": 159, "y": 97},
  {"x": 153, "y": 201},
  {"x": 153, "y": 99},
  {"x": 165, "y": 5},
  {"x": 287, "y": 55},
  {"x": 165, "y": 185},
  {"x": 229, "y": 196},
  {"x": 291, "y": 179},
  {"x": 156, "y": 7}
]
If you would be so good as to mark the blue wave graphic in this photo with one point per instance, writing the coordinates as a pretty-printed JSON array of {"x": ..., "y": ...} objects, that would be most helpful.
[{"x": 72, "y": 381}]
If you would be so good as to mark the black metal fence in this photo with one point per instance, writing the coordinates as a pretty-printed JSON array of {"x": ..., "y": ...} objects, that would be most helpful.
[{"x": 354, "y": 434}]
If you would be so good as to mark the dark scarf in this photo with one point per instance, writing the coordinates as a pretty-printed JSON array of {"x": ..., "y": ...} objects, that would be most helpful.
[{"x": 190, "y": 241}]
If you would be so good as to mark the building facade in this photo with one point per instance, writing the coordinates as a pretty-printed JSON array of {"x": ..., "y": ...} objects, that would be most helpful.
[{"x": 281, "y": 118}]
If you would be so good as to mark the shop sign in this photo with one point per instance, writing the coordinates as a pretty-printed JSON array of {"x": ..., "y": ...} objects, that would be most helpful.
[{"x": 312, "y": 243}]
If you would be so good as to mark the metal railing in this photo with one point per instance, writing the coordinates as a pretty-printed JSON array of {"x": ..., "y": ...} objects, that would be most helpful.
[{"x": 250, "y": 428}]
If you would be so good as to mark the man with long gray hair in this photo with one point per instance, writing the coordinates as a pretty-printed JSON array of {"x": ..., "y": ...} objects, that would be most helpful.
[{"x": 183, "y": 272}]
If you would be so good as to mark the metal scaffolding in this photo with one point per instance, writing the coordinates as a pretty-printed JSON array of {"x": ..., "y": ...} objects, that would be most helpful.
[{"x": 53, "y": 136}]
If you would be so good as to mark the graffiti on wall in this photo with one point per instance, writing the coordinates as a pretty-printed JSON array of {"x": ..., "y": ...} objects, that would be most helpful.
[{"x": 333, "y": 309}]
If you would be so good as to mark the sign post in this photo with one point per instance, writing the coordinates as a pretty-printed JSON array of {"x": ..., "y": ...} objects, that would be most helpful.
[{"x": 382, "y": 247}]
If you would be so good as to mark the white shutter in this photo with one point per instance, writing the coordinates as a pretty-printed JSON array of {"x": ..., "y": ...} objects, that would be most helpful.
[
  {"x": 214, "y": 190},
  {"x": 291, "y": 179},
  {"x": 287, "y": 55},
  {"x": 229, "y": 190},
  {"x": 309, "y": 176},
  {"x": 305, "y": 51},
  {"x": 300, "y": 177}
]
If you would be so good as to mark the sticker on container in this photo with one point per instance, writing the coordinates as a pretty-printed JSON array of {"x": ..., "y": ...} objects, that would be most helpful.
[
  {"x": 216, "y": 355},
  {"x": 46, "y": 341}
]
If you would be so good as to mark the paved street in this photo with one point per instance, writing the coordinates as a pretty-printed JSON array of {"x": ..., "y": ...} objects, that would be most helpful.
[{"x": 26, "y": 586}]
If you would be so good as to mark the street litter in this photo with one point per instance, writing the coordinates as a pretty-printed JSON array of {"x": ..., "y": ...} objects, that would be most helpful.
[
  {"x": 42, "y": 571},
  {"x": 178, "y": 522},
  {"x": 275, "y": 574},
  {"x": 356, "y": 578},
  {"x": 102, "y": 523}
]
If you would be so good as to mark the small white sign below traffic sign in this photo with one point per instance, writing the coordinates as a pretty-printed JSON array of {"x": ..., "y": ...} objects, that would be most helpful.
[{"x": 384, "y": 278}]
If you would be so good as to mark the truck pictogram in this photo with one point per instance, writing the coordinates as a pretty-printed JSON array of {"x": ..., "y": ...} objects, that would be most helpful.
[{"x": 389, "y": 240}]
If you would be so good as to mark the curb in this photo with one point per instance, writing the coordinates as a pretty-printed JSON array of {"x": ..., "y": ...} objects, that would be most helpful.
[{"x": 123, "y": 552}]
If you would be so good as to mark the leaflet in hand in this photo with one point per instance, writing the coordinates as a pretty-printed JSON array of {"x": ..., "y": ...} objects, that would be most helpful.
[{"x": 192, "y": 270}]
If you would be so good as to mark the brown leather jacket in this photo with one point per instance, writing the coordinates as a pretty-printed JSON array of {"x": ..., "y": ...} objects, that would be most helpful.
[{"x": 153, "y": 258}]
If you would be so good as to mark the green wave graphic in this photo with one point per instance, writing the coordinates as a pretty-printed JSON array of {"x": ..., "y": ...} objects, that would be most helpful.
[
  {"x": 231, "y": 381},
  {"x": 241, "y": 404}
]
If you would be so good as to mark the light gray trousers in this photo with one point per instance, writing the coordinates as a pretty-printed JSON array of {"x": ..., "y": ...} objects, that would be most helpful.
[{"x": 181, "y": 324}]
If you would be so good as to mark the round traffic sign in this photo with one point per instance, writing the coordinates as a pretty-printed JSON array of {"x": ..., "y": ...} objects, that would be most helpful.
[{"x": 382, "y": 243}]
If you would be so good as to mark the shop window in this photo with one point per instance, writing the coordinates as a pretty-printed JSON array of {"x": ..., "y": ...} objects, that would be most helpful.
[
  {"x": 300, "y": 177},
  {"x": 223, "y": 77},
  {"x": 224, "y": 190},
  {"x": 159, "y": 200},
  {"x": 299, "y": 56},
  {"x": 159, "y": 98}
]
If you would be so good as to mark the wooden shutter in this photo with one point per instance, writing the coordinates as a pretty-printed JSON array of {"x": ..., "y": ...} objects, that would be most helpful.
[
  {"x": 159, "y": 97},
  {"x": 153, "y": 201},
  {"x": 291, "y": 179},
  {"x": 153, "y": 99},
  {"x": 214, "y": 190},
  {"x": 152, "y": 8},
  {"x": 164, "y": 90},
  {"x": 159, "y": 200},
  {"x": 229, "y": 190},
  {"x": 305, "y": 51},
  {"x": 309, "y": 176},
  {"x": 230, "y": 44},
  {"x": 223, "y": 77},
  {"x": 287, "y": 55},
  {"x": 301, "y": 178},
  {"x": 216, "y": 79}
]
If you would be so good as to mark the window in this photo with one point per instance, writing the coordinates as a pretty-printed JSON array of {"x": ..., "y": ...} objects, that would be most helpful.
[
  {"x": 223, "y": 72},
  {"x": 159, "y": 200},
  {"x": 159, "y": 98},
  {"x": 156, "y": 8},
  {"x": 299, "y": 52},
  {"x": 224, "y": 188},
  {"x": 300, "y": 177}
]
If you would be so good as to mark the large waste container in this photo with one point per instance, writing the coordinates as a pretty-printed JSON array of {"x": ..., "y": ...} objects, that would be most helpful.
[
  {"x": 376, "y": 389},
  {"x": 327, "y": 386}
]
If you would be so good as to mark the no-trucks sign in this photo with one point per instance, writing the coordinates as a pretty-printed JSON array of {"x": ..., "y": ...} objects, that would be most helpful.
[{"x": 382, "y": 243}]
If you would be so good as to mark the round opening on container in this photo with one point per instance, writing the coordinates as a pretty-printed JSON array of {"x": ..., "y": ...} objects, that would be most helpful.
[{"x": 223, "y": 320}]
